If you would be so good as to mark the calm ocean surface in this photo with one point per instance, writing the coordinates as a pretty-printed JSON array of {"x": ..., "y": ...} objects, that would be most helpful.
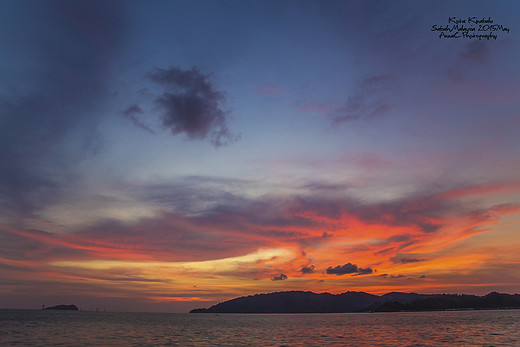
[{"x": 445, "y": 328}]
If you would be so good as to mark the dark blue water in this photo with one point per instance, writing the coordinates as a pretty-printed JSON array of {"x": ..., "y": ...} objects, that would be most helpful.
[{"x": 445, "y": 328}]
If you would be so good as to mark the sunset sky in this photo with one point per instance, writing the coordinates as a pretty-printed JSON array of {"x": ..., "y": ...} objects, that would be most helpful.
[{"x": 168, "y": 155}]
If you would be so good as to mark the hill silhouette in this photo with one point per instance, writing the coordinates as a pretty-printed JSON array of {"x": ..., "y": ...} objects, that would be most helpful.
[{"x": 309, "y": 302}]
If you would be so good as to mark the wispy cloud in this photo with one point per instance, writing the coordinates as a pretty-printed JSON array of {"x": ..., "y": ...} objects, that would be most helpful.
[
  {"x": 132, "y": 113},
  {"x": 267, "y": 90},
  {"x": 367, "y": 102}
]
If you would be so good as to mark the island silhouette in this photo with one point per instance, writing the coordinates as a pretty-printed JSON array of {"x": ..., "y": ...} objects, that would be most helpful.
[
  {"x": 309, "y": 302},
  {"x": 61, "y": 307}
]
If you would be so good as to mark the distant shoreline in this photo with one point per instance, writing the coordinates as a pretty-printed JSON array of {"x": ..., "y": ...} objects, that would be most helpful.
[{"x": 361, "y": 302}]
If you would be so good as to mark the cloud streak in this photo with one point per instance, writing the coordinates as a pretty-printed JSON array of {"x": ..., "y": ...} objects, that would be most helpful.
[
  {"x": 367, "y": 102},
  {"x": 132, "y": 113}
]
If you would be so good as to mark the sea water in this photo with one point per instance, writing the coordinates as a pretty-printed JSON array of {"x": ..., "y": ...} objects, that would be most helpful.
[{"x": 440, "y": 328}]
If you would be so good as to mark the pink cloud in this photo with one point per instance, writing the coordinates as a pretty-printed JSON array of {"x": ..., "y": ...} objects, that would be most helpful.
[
  {"x": 487, "y": 189},
  {"x": 267, "y": 90}
]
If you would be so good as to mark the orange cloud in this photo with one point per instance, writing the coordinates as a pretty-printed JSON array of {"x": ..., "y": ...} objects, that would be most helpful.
[
  {"x": 482, "y": 190},
  {"x": 410, "y": 244}
]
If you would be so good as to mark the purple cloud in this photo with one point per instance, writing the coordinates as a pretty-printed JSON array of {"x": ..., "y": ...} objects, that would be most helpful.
[
  {"x": 190, "y": 104},
  {"x": 348, "y": 268},
  {"x": 280, "y": 277},
  {"x": 307, "y": 269},
  {"x": 132, "y": 113}
]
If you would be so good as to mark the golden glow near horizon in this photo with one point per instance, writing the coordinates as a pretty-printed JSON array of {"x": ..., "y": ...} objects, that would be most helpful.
[
  {"x": 213, "y": 266},
  {"x": 425, "y": 264}
]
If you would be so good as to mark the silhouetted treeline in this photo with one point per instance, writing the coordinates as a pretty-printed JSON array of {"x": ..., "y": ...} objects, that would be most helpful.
[
  {"x": 309, "y": 302},
  {"x": 492, "y": 300}
]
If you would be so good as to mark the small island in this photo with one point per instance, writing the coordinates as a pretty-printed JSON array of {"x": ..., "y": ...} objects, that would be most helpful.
[
  {"x": 61, "y": 307},
  {"x": 309, "y": 302}
]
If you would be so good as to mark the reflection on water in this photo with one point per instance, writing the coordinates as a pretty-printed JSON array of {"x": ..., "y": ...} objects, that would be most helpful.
[{"x": 453, "y": 328}]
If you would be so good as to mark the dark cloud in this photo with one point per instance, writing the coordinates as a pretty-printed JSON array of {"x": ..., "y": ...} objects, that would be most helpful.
[
  {"x": 307, "y": 269},
  {"x": 399, "y": 238},
  {"x": 132, "y": 113},
  {"x": 342, "y": 269},
  {"x": 367, "y": 102},
  {"x": 428, "y": 227},
  {"x": 190, "y": 104},
  {"x": 323, "y": 188},
  {"x": 364, "y": 271},
  {"x": 405, "y": 260},
  {"x": 280, "y": 277},
  {"x": 49, "y": 118},
  {"x": 132, "y": 110},
  {"x": 392, "y": 276},
  {"x": 348, "y": 268}
]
